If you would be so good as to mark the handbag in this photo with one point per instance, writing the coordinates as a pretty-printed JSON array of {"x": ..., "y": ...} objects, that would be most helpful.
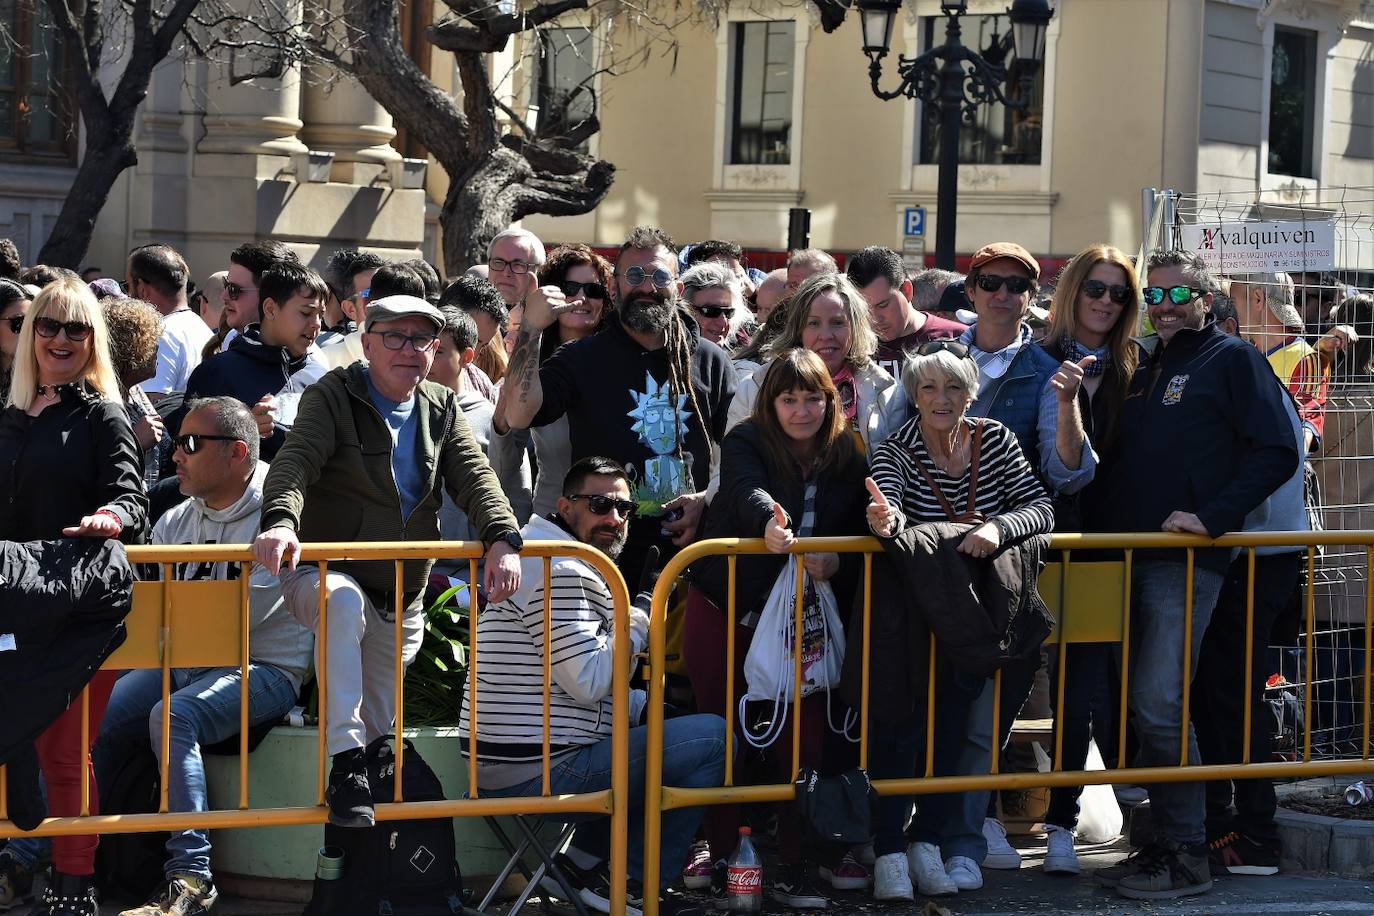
[
  {"x": 768, "y": 666},
  {"x": 836, "y": 810}
]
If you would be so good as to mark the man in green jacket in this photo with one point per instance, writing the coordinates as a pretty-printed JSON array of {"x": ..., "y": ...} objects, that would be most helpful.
[{"x": 371, "y": 447}]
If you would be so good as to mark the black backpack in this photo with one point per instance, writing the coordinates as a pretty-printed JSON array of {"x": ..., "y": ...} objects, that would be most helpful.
[{"x": 394, "y": 868}]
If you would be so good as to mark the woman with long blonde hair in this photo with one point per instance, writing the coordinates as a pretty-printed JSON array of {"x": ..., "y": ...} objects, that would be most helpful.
[{"x": 74, "y": 470}]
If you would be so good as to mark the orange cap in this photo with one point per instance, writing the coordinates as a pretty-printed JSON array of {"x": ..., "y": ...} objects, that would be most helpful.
[{"x": 990, "y": 253}]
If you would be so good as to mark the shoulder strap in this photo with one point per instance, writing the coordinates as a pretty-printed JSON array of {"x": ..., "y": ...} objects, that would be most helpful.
[{"x": 970, "y": 512}]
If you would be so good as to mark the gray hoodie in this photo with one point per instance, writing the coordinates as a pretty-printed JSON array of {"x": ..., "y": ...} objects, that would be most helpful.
[{"x": 274, "y": 636}]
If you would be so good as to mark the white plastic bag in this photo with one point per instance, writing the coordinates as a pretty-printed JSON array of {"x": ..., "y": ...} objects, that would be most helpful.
[
  {"x": 768, "y": 666},
  {"x": 1099, "y": 814}
]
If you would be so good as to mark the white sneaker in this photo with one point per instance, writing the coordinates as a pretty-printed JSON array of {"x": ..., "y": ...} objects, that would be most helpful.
[
  {"x": 965, "y": 873},
  {"x": 923, "y": 860},
  {"x": 1001, "y": 854},
  {"x": 892, "y": 878},
  {"x": 1060, "y": 858}
]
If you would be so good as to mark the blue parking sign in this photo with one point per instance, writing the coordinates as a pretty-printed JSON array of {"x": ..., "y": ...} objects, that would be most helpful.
[{"x": 914, "y": 222}]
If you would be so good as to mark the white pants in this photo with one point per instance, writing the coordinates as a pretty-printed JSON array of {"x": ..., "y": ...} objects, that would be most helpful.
[{"x": 360, "y": 653}]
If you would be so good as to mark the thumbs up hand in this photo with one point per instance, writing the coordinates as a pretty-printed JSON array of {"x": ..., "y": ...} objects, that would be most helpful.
[
  {"x": 776, "y": 534},
  {"x": 881, "y": 518},
  {"x": 1067, "y": 380}
]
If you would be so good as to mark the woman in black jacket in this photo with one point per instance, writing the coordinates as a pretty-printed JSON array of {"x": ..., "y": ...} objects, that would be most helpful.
[
  {"x": 72, "y": 469},
  {"x": 792, "y": 469}
]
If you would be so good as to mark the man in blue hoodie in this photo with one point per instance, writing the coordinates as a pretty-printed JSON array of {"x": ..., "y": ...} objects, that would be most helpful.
[
  {"x": 1205, "y": 440},
  {"x": 265, "y": 360}
]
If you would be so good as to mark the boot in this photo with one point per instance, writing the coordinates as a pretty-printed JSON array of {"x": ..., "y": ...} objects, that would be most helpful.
[{"x": 68, "y": 895}]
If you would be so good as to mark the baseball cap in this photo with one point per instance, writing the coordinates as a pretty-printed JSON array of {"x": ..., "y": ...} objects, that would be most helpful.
[
  {"x": 990, "y": 253},
  {"x": 394, "y": 307}
]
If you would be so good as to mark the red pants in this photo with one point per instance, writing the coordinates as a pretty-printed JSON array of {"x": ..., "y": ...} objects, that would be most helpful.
[{"x": 65, "y": 762}]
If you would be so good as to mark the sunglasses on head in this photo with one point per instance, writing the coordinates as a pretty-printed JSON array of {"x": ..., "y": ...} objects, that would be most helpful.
[
  {"x": 1178, "y": 295},
  {"x": 1121, "y": 295},
  {"x": 944, "y": 345},
  {"x": 592, "y": 290},
  {"x": 713, "y": 311},
  {"x": 232, "y": 290},
  {"x": 637, "y": 275},
  {"x": 601, "y": 505},
  {"x": 15, "y": 322},
  {"x": 48, "y": 327},
  {"x": 991, "y": 283},
  {"x": 190, "y": 443}
]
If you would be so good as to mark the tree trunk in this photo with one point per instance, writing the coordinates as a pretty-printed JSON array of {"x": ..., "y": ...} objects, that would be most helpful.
[{"x": 101, "y": 166}]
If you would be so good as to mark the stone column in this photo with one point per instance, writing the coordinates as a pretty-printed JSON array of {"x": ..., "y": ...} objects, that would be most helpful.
[{"x": 341, "y": 118}]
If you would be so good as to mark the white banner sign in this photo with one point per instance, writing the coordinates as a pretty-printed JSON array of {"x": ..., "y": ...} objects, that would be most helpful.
[{"x": 1237, "y": 248}]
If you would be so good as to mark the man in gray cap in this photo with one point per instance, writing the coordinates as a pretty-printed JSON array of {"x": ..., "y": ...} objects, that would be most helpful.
[{"x": 372, "y": 445}]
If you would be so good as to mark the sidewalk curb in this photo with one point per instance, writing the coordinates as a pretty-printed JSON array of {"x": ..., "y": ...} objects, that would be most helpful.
[{"x": 1316, "y": 844}]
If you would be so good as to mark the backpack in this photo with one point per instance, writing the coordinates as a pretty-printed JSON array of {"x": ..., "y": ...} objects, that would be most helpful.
[
  {"x": 129, "y": 865},
  {"x": 394, "y": 868}
]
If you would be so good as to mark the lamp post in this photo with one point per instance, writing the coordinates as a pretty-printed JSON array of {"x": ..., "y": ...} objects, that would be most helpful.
[{"x": 956, "y": 78}]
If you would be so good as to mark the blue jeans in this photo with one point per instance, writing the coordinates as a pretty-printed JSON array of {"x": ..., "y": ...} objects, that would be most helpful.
[
  {"x": 693, "y": 757},
  {"x": 1177, "y": 809}
]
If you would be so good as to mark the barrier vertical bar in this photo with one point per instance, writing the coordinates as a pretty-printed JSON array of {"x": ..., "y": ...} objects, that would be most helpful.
[
  {"x": 798, "y": 634},
  {"x": 398, "y": 607},
  {"x": 321, "y": 680},
  {"x": 245, "y": 596},
  {"x": 653, "y": 759},
  {"x": 930, "y": 712},
  {"x": 86, "y": 750},
  {"x": 165, "y": 744},
  {"x": 1125, "y": 656},
  {"x": 620, "y": 753},
  {"x": 472, "y": 677},
  {"x": 1058, "y": 763},
  {"x": 1184, "y": 718},
  {"x": 1249, "y": 652},
  {"x": 995, "y": 759},
  {"x": 1307, "y": 675},
  {"x": 730, "y": 670},
  {"x": 548, "y": 667},
  {"x": 867, "y": 658}
]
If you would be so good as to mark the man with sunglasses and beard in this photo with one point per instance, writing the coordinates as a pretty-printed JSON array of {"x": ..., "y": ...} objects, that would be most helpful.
[
  {"x": 595, "y": 508},
  {"x": 1204, "y": 440},
  {"x": 648, "y": 391}
]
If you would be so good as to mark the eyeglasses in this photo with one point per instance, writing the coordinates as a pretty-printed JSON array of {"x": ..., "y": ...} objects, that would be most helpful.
[
  {"x": 1178, "y": 295},
  {"x": 395, "y": 340},
  {"x": 515, "y": 267},
  {"x": 365, "y": 293},
  {"x": 944, "y": 345},
  {"x": 48, "y": 327},
  {"x": 1094, "y": 289},
  {"x": 600, "y": 505},
  {"x": 190, "y": 443},
  {"x": 636, "y": 275},
  {"x": 15, "y": 322},
  {"x": 232, "y": 290},
  {"x": 991, "y": 283},
  {"x": 713, "y": 311},
  {"x": 593, "y": 290}
]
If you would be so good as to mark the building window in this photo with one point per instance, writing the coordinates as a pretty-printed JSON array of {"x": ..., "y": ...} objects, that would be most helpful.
[
  {"x": 998, "y": 135},
  {"x": 564, "y": 75},
  {"x": 37, "y": 109},
  {"x": 1292, "y": 102},
  {"x": 762, "y": 71}
]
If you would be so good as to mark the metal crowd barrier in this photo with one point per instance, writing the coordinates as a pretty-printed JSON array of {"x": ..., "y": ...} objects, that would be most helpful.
[
  {"x": 1091, "y": 602},
  {"x": 177, "y": 624}
]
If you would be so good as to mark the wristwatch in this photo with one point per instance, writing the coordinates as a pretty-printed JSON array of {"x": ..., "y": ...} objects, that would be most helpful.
[{"x": 513, "y": 538}]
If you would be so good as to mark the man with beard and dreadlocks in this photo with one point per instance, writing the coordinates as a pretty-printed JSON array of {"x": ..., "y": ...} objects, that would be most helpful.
[{"x": 647, "y": 392}]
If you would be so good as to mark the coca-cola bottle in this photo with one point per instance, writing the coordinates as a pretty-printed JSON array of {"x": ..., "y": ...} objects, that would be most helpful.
[{"x": 744, "y": 877}]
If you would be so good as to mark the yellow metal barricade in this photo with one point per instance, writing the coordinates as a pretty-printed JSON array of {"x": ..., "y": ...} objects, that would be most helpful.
[
  {"x": 1091, "y": 602},
  {"x": 177, "y": 624}
]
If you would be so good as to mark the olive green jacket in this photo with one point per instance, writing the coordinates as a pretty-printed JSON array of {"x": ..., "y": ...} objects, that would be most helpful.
[{"x": 332, "y": 479}]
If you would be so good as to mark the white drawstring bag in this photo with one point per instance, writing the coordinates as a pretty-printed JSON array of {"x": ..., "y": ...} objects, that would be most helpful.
[{"x": 768, "y": 666}]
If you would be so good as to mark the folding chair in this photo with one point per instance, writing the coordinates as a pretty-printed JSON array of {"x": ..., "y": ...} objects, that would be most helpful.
[{"x": 529, "y": 833}]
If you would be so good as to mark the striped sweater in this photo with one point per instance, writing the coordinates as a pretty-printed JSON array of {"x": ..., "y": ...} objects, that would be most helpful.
[
  {"x": 1008, "y": 489},
  {"x": 510, "y": 664}
]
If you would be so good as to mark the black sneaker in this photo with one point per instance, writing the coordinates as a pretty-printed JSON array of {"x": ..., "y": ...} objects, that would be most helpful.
[
  {"x": 1181, "y": 871},
  {"x": 1237, "y": 854},
  {"x": 16, "y": 883},
  {"x": 795, "y": 888},
  {"x": 720, "y": 900},
  {"x": 1142, "y": 858},
  {"x": 348, "y": 794}
]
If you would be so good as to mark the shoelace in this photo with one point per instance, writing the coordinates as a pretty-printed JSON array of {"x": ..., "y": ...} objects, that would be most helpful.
[{"x": 1222, "y": 842}]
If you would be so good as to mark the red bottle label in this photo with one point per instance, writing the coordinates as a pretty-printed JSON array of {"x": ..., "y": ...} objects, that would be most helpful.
[{"x": 744, "y": 879}]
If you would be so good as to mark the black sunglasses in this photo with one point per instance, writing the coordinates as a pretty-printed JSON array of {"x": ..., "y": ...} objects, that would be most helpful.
[
  {"x": 48, "y": 327},
  {"x": 944, "y": 345},
  {"x": 15, "y": 322},
  {"x": 991, "y": 283},
  {"x": 190, "y": 443},
  {"x": 232, "y": 290},
  {"x": 713, "y": 311},
  {"x": 593, "y": 290},
  {"x": 1178, "y": 295},
  {"x": 1120, "y": 294},
  {"x": 600, "y": 505}
]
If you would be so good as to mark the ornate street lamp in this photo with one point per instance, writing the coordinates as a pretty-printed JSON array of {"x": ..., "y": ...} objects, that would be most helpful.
[{"x": 957, "y": 79}]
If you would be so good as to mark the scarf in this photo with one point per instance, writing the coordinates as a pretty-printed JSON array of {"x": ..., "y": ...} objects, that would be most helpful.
[{"x": 1075, "y": 351}]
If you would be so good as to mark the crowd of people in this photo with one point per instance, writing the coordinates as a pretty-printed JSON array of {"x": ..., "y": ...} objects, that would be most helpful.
[{"x": 638, "y": 404}]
